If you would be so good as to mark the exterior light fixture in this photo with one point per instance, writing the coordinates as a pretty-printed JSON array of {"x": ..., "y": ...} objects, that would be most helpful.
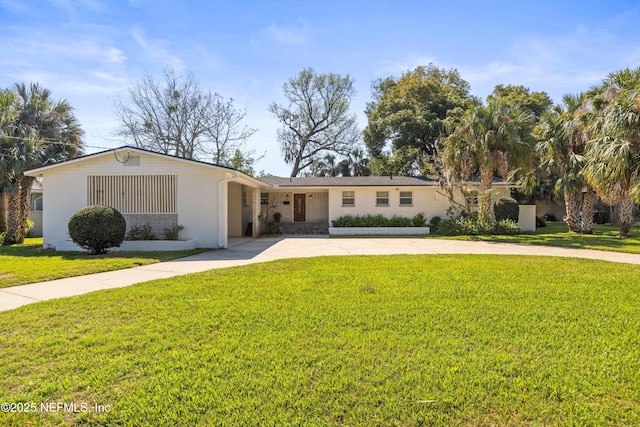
[
  {"x": 286, "y": 197},
  {"x": 310, "y": 196}
]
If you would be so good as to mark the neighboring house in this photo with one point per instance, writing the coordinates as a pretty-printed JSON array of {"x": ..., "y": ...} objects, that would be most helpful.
[
  {"x": 35, "y": 211},
  {"x": 550, "y": 209},
  {"x": 214, "y": 203}
]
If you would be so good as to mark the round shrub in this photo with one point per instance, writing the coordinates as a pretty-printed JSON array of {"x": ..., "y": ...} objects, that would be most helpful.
[
  {"x": 506, "y": 208},
  {"x": 540, "y": 222},
  {"x": 434, "y": 223},
  {"x": 97, "y": 228}
]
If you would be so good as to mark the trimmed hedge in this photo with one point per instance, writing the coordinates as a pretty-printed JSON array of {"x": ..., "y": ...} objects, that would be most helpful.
[
  {"x": 379, "y": 221},
  {"x": 97, "y": 228},
  {"x": 506, "y": 208},
  {"x": 472, "y": 227}
]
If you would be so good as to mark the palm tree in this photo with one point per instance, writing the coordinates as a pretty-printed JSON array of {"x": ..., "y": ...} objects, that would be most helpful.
[
  {"x": 42, "y": 131},
  {"x": 54, "y": 121},
  {"x": 359, "y": 163},
  {"x": 325, "y": 166},
  {"x": 492, "y": 138},
  {"x": 613, "y": 166},
  {"x": 23, "y": 154},
  {"x": 3, "y": 207},
  {"x": 8, "y": 116},
  {"x": 354, "y": 164},
  {"x": 562, "y": 142}
]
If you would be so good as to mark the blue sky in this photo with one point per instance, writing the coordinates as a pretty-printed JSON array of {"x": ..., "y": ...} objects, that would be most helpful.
[{"x": 91, "y": 51}]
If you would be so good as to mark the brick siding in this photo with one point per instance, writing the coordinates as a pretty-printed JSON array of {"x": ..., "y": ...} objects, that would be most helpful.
[
  {"x": 317, "y": 209},
  {"x": 158, "y": 222}
]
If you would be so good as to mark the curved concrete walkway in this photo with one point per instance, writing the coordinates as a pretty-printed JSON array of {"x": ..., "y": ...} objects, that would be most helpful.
[{"x": 250, "y": 251}]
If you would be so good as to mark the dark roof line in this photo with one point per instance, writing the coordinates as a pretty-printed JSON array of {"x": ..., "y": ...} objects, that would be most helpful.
[
  {"x": 130, "y": 147},
  {"x": 346, "y": 181}
]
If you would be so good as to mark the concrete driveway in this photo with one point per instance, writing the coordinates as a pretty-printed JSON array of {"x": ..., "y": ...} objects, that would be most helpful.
[{"x": 244, "y": 251}]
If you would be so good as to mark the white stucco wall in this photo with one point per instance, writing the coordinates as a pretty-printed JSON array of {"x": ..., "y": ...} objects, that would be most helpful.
[
  {"x": 527, "y": 218},
  {"x": 65, "y": 191},
  {"x": 426, "y": 200}
]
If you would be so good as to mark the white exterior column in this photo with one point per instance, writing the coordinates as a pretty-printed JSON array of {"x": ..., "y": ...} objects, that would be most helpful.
[{"x": 223, "y": 212}]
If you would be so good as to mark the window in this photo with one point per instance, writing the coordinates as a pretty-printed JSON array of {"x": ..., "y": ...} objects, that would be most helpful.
[
  {"x": 471, "y": 199},
  {"x": 406, "y": 198},
  {"x": 264, "y": 198},
  {"x": 382, "y": 198},
  {"x": 134, "y": 193},
  {"x": 348, "y": 198},
  {"x": 36, "y": 204}
]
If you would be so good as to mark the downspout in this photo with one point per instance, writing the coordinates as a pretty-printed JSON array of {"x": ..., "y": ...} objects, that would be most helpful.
[{"x": 222, "y": 181}]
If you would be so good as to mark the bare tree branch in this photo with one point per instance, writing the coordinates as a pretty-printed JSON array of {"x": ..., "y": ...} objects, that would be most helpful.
[
  {"x": 178, "y": 116},
  {"x": 316, "y": 120}
]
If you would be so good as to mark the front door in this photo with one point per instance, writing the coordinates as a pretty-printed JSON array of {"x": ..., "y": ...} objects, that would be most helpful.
[{"x": 299, "y": 208}]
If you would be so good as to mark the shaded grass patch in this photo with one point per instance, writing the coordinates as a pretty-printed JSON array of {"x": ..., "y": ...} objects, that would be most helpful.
[
  {"x": 29, "y": 263},
  {"x": 605, "y": 238}
]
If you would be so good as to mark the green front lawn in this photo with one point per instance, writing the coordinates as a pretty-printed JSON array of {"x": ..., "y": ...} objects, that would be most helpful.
[
  {"x": 29, "y": 263},
  {"x": 448, "y": 340},
  {"x": 605, "y": 238}
]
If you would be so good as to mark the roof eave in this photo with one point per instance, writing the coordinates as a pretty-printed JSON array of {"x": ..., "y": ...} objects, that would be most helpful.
[{"x": 244, "y": 177}]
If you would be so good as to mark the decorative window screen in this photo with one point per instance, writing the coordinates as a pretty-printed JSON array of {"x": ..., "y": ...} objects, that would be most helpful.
[
  {"x": 131, "y": 194},
  {"x": 472, "y": 200}
]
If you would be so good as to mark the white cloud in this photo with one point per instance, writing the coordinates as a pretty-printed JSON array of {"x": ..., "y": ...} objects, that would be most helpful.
[
  {"x": 108, "y": 77},
  {"x": 570, "y": 63},
  {"x": 157, "y": 50},
  {"x": 138, "y": 36},
  {"x": 494, "y": 71},
  {"x": 33, "y": 47},
  {"x": 74, "y": 84},
  {"x": 284, "y": 36},
  {"x": 291, "y": 36},
  {"x": 88, "y": 49}
]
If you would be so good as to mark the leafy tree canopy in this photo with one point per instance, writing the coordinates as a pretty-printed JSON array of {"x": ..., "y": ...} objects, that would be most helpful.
[
  {"x": 412, "y": 113},
  {"x": 535, "y": 102}
]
